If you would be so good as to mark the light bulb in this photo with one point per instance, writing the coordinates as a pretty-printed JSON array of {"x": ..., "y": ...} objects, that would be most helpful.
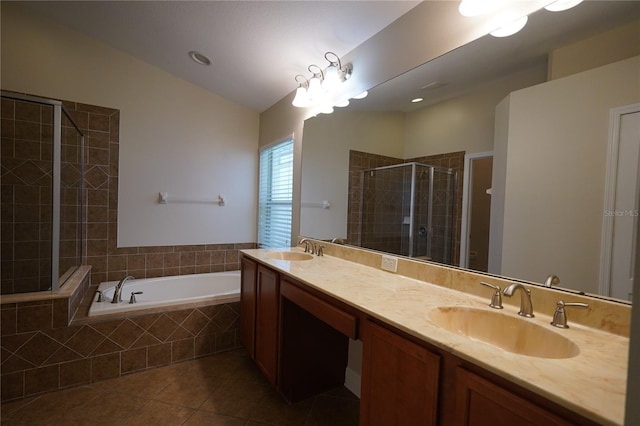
[
  {"x": 301, "y": 100},
  {"x": 315, "y": 89},
  {"x": 361, "y": 95},
  {"x": 511, "y": 28},
  {"x": 560, "y": 5},
  {"x": 331, "y": 78}
]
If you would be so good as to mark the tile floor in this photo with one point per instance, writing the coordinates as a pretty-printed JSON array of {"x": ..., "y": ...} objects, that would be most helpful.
[{"x": 223, "y": 389}]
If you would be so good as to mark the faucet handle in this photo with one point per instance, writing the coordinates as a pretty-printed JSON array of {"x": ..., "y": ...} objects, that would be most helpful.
[
  {"x": 560, "y": 316},
  {"x": 100, "y": 298},
  {"x": 496, "y": 298},
  {"x": 132, "y": 299},
  {"x": 320, "y": 250}
]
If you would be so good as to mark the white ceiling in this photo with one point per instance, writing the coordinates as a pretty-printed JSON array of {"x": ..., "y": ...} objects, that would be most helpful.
[{"x": 256, "y": 47}]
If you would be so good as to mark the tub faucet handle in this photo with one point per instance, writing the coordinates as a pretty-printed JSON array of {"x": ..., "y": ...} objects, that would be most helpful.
[
  {"x": 100, "y": 298},
  {"x": 132, "y": 299}
]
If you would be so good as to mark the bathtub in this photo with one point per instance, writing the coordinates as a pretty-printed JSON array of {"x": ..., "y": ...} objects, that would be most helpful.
[{"x": 213, "y": 288}]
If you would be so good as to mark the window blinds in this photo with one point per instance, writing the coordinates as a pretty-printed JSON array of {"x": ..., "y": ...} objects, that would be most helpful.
[{"x": 275, "y": 195}]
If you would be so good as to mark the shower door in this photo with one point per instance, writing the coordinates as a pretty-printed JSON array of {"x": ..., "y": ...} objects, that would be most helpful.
[
  {"x": 41, "y": 194},
  {"x": 408, "y": 209}
]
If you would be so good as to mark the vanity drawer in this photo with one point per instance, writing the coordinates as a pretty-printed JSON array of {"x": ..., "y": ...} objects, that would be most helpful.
[{"x": 344, "y": 322}]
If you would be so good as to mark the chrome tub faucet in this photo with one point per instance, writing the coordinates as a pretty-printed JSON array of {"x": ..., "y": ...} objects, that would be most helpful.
[{"x": 117, "y": 294}]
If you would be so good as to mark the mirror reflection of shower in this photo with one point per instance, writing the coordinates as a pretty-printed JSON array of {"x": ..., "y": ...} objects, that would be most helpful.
[
  {"x": 409, "y": 209},
  {"x": 41, "y": 194}
]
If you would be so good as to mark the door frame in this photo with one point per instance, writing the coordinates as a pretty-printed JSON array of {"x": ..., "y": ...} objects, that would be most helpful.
[
  {"x": 611, "y": 173},
  {"x": 466, "y": 204}
]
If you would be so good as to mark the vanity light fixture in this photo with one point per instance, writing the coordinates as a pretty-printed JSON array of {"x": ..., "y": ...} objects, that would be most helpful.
[
  {"x": 315, "y": 91},
  {"x": 361, "y": 95},
  {"x": 301, "y": 99},
  {"x": 511, "y": 28},
  {"x": 200, "y": 58},
  {"x": 560, "y": 5},
  {"x": 480, "y": 7},
  {"x": 321, "y": 90},
  {"x": 512, "y": 25},
  {"x": 335, "y": 72}
]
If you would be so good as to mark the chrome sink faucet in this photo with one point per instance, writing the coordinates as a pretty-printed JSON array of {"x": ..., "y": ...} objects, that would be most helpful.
[
  {"x": 551, "y": 280},
  {"x": 308, "y": 246},
  {"x": 526, "y": 308},
  {"x": 117, "y": 294}
]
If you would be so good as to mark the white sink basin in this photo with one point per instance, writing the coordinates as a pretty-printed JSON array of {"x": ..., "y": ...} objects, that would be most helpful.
[
  {"x": 288, "y": 255},
  {"x": 508, "y": 332}
]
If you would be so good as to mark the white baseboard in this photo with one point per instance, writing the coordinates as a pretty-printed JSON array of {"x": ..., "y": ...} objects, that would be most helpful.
[{"x": 352, "y": 381}]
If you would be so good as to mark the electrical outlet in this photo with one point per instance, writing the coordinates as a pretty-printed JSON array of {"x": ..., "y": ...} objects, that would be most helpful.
[{"x": 389, "y": 263}]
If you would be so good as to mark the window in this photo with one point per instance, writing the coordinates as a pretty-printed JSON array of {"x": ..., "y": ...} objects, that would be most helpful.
[{"x": 275, "y": 195}]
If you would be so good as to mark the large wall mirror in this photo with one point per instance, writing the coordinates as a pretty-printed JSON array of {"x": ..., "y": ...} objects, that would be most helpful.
[{"x": 527, "y": 125}]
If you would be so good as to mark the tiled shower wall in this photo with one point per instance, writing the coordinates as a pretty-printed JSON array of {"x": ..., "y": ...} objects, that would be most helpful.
[
  {"x": 26, "y": 200},
  {"x": 379, "y": 238}
]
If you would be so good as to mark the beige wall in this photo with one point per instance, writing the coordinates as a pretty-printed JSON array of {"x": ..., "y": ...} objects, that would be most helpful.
[
  {"x": 174, "y": 136},
  {"x": 556, "y": 148},
  {"x": 325, "y": 161},
  {"x": 465, "y": 123},
  {"x": 611, "y": 46}
]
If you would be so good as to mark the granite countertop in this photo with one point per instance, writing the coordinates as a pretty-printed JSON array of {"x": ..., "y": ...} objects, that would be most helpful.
[{"x": 593, "y": 383}]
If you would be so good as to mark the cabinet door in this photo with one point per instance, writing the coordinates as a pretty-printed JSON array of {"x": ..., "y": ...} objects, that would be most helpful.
[
  {"x": 482, "y": 402},
  {"x": 267, "y": 315},
  {"x": 399, "y": 380},
  {"x": 249, "y": 269}
]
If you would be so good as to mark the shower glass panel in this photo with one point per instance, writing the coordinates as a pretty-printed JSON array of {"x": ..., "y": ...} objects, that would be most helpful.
[
  {"x": 408, "y": 209},
  {"x": 41, "y": 194}
]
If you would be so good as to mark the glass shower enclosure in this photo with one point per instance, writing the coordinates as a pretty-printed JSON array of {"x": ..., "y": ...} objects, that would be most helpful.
[
  {"x": 409, "y": 209},
  {"x": 42, "y": 194}
]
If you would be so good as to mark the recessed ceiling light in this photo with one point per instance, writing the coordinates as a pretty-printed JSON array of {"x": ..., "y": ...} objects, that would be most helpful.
[
  {"x": 199, "y": 58},
  {"x": 416, "y": 100}
]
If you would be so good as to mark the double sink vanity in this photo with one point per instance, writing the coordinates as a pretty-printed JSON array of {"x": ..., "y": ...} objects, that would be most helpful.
[{"x": 433, "y": 350}]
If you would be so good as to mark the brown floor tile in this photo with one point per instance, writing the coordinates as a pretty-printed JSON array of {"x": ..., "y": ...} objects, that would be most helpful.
[
  {"x": 204, "y": 418},
  {"x": 53, "y": 408},
  {"x": 159, "y": 413},
  {"x": 225, "y": 389},
  {"x": 190, "y": 390},
  {"x": 236, "y": 398},
  {"x": 274, "y": 410}
]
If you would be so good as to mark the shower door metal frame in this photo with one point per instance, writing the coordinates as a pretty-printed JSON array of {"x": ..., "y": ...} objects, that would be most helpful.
[{"x": 58, "y": 110}]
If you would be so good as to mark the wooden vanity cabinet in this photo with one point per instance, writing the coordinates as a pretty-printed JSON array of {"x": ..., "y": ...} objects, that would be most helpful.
[
  {"x": 479, "y": 401},
  {"x": 399, "y": 380},
  {"x": 248, "y": 286},
  {"x": 267, "y": 322}
]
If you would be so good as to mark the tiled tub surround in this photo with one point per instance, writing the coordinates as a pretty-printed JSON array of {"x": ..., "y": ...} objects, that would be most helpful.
[
  {"x": 41, "y": 353},
  {"x": 592, "y": 384}
]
